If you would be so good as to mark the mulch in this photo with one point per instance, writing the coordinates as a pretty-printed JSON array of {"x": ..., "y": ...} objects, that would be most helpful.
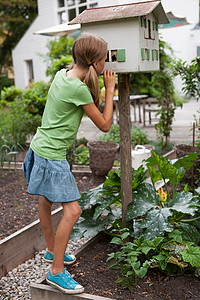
[{"x": 18, "y": 209}]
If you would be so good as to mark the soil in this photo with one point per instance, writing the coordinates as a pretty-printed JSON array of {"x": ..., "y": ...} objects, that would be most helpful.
[
  {"x": 91, "y": 270},
  {"x": 18, "y": 209}
]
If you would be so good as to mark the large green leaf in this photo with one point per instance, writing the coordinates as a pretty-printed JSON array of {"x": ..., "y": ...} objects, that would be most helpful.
[
  {"x": 144, "y": 200},
  {"x": 189, "y": 233},
  {"x": 187, "y": 161},
  {"x": 88, "y": 227},
  {"x": 184, "y": 202},
  {"x": 90, "y": 197},
  {"x": 157, "y": 223},
  {"x": 192, "y": 256},
  {"x": 105, "y": 203}
]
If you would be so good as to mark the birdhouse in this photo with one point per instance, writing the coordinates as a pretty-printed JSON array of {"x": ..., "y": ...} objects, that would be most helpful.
[{"x": 131, "y": 32}]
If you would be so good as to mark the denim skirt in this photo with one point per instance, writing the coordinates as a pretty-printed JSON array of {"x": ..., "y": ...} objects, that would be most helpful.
[{"x": 50, "y": 178}]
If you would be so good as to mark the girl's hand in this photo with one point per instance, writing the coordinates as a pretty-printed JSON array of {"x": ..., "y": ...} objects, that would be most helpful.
[{"x": 109, "y": 80}]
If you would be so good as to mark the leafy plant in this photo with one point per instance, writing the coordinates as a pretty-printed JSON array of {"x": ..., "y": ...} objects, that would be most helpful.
[
  {"x": 59, "y": 55},
  {"x": 82, "y": 155},
  {"x": 15, "y": 124},
  {"x": 170, "y": 253},
  {"x": 138, "y": 136},
  {"x": 34, "y": 99},
  {"x": 155, "y": 215},
  {"x": 10, "y": 94},
  {"x": 190, "y": 75},
  {"x": 101, "y": 206}
]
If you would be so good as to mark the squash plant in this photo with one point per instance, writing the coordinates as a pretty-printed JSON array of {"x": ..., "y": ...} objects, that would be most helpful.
[
  {"x": 101, "y": 206},
  {"x": 163, "y": 225},
  {"x": 154, "y": 215}
]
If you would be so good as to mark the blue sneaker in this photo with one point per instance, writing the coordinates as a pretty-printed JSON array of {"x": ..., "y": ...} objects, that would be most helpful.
[
  {"x": 68, "y": 259},
  {"x": 64, "y": 282}
]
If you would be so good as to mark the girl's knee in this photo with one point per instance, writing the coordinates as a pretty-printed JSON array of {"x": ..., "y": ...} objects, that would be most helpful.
[{"x": 73, "y": 209}]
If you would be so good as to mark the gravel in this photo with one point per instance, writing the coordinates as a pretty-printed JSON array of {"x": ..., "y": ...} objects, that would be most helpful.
[{"x": 16, "y": 284}]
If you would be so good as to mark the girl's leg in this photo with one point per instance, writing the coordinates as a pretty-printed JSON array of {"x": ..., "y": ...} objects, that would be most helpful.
[
  {"x": 71, "y": 213},
  {"x": 46, "y": 222}
]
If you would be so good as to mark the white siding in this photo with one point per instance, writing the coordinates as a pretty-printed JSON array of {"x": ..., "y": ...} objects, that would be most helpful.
[{"x": 30, "y": 45}]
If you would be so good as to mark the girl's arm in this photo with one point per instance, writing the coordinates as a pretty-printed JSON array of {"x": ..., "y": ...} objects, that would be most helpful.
[{"x": 103, "y": 122}]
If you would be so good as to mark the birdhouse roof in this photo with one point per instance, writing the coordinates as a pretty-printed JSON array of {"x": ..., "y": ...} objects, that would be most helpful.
[{"x": 109, "y": 13}]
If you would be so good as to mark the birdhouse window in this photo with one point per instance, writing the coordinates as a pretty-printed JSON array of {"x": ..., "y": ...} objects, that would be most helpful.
[
  {"x": 107, "y": 59},
  {"x": 113, "y": 55},
  {"x": 149, "y": 29}
]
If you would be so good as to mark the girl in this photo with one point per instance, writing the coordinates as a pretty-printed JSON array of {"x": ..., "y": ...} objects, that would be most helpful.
[{"x": 46, "y": 169}]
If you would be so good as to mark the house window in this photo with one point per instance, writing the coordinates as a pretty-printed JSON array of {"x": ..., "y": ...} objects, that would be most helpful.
[
  {"x": 29, "y": 71},
  {"x": 72, "y": 8},
  {"x": 61, "y": 3},
  {"x": 71, "y": 14},
  {"x": 81, "y": 9},
  {"x": 70, "y": 2}
]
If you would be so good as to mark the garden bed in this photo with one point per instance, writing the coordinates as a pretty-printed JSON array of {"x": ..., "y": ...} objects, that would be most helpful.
[
  {"x": 18, "y": 209},
  {"x": 91, "y": 270}
]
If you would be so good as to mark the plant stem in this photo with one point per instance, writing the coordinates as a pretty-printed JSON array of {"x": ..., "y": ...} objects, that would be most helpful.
[{"x": 190, "y": 220}]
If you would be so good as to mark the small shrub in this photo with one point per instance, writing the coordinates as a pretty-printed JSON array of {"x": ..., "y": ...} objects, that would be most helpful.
[
  {"x": 138, "y": 136},
  {"x": 11, "y": 94},
  {"x": 82, "y": 155},
  {"x": 34, "y": 98},
  {"x": 15, "y": 124},
  {"x": 4, "y": 82}
]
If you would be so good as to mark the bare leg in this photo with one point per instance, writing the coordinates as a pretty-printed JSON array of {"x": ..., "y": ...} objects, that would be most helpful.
[
  {"x": 46, "y": 222},
  {"x": 71, "y": 213}
]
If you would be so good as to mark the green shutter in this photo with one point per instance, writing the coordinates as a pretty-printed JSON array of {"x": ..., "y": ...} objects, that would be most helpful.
[
  {"x": 121, "y": 55},
  {"x": 156, "y": 23},
  {"x": 153, "y": 25},
  {"x": 148, "y": 54},
  {"x": 145, "y": 22},
  {"x": 143, "y": 53},
  {"x": 157, "y": 55},
  {"x": 141, "y": 21},
  {"x": 153, "y": 52}
]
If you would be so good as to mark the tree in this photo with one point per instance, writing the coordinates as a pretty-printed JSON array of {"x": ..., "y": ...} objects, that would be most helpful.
[
  {"x": 58, "y": 55},
  {"x": 15, "y": 18},
  {"x": 190, "y": 75}
]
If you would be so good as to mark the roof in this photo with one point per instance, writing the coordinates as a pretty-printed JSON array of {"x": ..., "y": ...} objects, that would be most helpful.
[{"x": 107, "y": 13}]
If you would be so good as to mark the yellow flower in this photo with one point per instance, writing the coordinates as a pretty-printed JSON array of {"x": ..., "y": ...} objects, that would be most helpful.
[{"x": 163, "y": 195}]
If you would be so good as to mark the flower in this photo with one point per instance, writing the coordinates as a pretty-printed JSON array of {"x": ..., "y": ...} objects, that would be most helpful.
[{"x": 163, "y": 195}]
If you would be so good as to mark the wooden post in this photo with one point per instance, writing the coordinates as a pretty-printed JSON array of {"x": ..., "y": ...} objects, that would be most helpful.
[{"x": 125, "y": 143}]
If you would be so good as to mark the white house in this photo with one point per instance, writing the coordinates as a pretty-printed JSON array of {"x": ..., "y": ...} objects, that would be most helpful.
[{"x": 29, "y": 65}]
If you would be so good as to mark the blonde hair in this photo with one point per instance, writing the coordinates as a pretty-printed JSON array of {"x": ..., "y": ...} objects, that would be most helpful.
[{"x": 88, "y": 49}]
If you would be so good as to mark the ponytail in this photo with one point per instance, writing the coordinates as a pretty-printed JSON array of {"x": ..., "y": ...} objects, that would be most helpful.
[
  {"x": 87, "y": 50},
  {"x": 92, "y": 81}
]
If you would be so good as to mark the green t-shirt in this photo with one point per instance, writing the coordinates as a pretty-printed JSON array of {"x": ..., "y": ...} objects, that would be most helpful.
[{"x": 62, "y": 116}]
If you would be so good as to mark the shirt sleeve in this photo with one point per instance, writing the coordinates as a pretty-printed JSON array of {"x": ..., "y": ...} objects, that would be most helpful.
[{"x": 83, "y": 96}]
